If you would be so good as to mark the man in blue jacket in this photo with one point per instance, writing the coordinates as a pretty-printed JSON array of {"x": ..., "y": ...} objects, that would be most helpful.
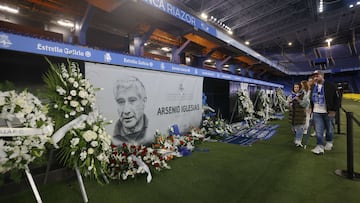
[{"x": 325, "y": 103}]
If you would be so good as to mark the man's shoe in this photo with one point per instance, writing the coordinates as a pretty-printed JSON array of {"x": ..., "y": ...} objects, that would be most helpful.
[
  {"x": 328, "y": 146},
  {"x": 318, "y": 150},
  {"x": 313, "y": 134}
]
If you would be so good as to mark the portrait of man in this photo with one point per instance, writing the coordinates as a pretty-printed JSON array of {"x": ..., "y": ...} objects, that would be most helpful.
[{"x": 132, "y": 123}]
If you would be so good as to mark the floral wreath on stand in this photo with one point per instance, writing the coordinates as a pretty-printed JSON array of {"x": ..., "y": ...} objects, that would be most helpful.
[
  {"x": 246, "y": 107},
  {"x": 81, "y": 136},
  {"x": 27, "y": 130},
  {"x": 263, "y": 105},
  {"x": 280, "y": 100}
]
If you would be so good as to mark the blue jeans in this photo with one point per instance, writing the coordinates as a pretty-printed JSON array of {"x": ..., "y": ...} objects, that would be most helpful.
[
  {"x": 323, "y": 122},
  {"x": 299, "y": 131}
]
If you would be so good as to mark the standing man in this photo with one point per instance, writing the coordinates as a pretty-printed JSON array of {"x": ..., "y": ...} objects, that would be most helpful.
[
  {"x": 130, "y": 97},
  {"x": 325, "y": 103}
]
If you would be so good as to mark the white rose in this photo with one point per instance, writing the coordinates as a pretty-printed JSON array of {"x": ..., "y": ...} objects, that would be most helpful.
[
  {"x": 90, "y": 151},
  {"x": 71, "y": 80},
  {"x": 94, "y": 143},
  {"x": 74, "y": 103},
  {"x": 83, "y": 155},
  {"x": 73, "y": 93},
  {"x": 65, "y": 75},
  {"x": 2, "y": 101},
  {"x": 60, "y": 90},
  {"x": 74, "y": 141},
  {"x": 84, "y": 102},
  {"x": 89, "y": 135},
  {"x": 83, "y": 94},
  {"x": 76, "y": 84}
]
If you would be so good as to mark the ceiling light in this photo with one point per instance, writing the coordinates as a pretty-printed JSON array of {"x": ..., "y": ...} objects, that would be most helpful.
[
  {"x": 9, "y": 9},
  {"x": 247, "y": 42},
  {"x": 290, "y": 43},
  {"x": 166, "y": 49},
  {"x": 358, "y": 3},
  {"x": 329, "y": 40},
  {"x": 321, "y": 6},
  {"x": 65, "y": 23},
  {"x": 230, "y": 32},
  {"x": 204, "y": 16},
  {"x": 351, "y": 5}
]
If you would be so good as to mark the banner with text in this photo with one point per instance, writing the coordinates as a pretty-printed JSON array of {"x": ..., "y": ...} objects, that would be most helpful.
[{"x": 163, "y": 98}]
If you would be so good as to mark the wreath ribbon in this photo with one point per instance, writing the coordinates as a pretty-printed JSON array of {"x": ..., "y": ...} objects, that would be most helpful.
[
  {"x": 60, "y": 133},
  {"x": 13, "y": 132},
  {"x": 140, "y": 163}
]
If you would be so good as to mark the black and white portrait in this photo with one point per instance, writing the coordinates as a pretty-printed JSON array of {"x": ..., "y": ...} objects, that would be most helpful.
[
  {"x": 141, "y": 102},
  {"x": 132, "y": 123}
]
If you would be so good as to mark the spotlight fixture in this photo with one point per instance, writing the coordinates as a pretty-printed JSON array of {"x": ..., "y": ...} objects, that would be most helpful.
[
  {"x": 220, "y": 23},
  {"x": 289, "y": 44},
  {"x": 247, "y": 42}
]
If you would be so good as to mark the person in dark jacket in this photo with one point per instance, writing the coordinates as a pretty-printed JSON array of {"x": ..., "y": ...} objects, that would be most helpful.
[
  {"x": 325, "y": 103},
  {"x": 297, "y": 112}
]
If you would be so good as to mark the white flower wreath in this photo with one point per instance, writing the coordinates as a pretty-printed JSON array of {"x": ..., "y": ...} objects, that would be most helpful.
[
  {"x": 246, "y": 107},
  {"x": 22, "y": 110},
  {"x": 85, "y": 145}
]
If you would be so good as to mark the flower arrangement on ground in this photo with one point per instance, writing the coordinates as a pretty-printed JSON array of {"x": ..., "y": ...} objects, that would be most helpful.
[
  {"x": 128, "y": 160},
  {"x": 28, "y": 131},
  {"x": 85, "y": 144},
  {"x": 215, "y": 128}
]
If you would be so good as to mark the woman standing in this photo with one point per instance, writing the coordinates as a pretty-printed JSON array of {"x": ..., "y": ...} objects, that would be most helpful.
[
  {"x": 297, "y": 114},
  {"x": 305, "y": 86}
]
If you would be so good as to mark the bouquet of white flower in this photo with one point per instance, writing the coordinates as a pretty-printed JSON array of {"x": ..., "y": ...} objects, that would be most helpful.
[
  {"x": 245, "y": 107},
  {"x": 87, "y": 145},
  {"x": 28, "y": 130}
]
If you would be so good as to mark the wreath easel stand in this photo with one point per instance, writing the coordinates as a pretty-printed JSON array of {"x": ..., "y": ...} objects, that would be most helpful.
[{"x": 58, "y": 135}]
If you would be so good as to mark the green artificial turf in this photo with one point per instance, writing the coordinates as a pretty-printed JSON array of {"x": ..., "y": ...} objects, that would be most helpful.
[{"x": 272, "y": 170}]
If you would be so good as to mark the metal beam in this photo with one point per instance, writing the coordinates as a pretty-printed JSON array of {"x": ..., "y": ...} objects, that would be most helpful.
[
  {"x": 275, "y": 33},
  {"x": 176, "y": 52},
  {"x": 263, "y": 15},
  {"x": 84, "y": 24},
  {"x": 267, "y": 23}
]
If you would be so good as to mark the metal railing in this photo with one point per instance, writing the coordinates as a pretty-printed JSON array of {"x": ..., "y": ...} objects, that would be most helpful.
[{"x": 349, "y": 173}]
